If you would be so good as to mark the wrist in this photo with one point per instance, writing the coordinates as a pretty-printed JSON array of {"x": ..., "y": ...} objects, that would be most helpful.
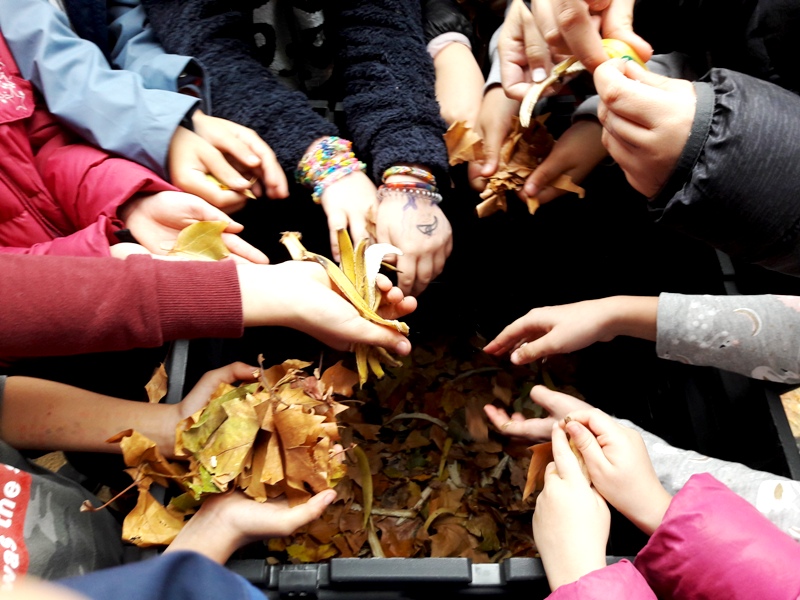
[
  {"x": 568, "y": 569},
  {"x": 168, "y": 424},
  {"x": 652, "y": 514},
  {"x": 327, "y": 161},
  {"x": 633, "y": 316}
]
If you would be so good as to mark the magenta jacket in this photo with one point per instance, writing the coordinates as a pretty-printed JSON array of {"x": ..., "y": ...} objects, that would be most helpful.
[
  {"x": 712, "y": 545},
  {"x": 57, "y": 196}
]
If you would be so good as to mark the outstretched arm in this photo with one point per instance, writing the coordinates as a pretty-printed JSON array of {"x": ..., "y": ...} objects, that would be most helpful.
[
  {"x": 570, "y": 327},
  {"x": 46, "y": 415}
]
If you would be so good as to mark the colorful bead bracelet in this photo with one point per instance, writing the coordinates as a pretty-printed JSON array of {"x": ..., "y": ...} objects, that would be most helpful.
[{"x": 330, "y": 160}]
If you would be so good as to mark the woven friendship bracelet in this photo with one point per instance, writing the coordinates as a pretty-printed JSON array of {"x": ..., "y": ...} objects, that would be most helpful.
[
  {"x": 422, "y": 174},
  {"x": 330, "y": 160}
]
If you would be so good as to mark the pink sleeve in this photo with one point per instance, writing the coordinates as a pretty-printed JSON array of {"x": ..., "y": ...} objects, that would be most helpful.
[
  {"x": 714, "y": 544},
  {"x": 620, "y": 580}
]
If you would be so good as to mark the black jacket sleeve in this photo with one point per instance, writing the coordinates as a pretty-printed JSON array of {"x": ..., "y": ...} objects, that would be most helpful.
[
  {"x": 443, "y": 16},
  {"x": 390, "y": 101},
  {"x": 735, "y": 185},
  {"x": 219, "y": 34}
]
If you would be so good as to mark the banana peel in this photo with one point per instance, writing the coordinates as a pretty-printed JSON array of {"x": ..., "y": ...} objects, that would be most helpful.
[{"x": 355, "y": 277}]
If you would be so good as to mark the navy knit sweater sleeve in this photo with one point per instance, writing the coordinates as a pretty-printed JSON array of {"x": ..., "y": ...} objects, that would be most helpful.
[
  {"x": 390, "y": 102},
  {"x": 219, "y": 34}
]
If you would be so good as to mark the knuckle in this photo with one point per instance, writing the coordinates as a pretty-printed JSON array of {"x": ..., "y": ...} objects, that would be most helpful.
[{"x": 569, "y": 18}]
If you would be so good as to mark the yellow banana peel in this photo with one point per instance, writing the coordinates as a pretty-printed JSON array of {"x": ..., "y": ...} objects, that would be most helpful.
[{"x": 355, "y": 278}]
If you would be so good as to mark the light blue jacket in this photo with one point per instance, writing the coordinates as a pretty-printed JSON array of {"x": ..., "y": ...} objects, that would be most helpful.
[{"x": 131, "y": 109}]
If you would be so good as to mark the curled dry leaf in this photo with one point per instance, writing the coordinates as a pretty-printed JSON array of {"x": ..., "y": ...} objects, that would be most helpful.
[
  {"x": 157, "y": 386},
  {"x": 522, "y": 151}
]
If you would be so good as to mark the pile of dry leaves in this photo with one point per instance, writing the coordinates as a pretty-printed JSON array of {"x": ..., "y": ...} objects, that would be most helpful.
[{"x": 426, "y": 474}]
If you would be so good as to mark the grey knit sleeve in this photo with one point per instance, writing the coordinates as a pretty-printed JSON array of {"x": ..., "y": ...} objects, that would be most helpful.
[
  {"x": 757, "y": 336},
  {"x": 777, "y": 498}
]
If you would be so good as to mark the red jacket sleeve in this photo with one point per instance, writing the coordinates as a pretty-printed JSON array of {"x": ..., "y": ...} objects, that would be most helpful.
[
  {"x": 85, "y": 182},
  {"x": 713, "y": 544},
  {"x": 55, "y": 306},
  {"x": 93, "y": 240},
  {"x": 620, "y": 580}
]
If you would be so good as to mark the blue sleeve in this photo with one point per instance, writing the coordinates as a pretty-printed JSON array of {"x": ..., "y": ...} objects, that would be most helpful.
[
  {"x": 135, "y": 47},
  {"x": 110, "y": 108},
  {"x": 173, "y": 576}
]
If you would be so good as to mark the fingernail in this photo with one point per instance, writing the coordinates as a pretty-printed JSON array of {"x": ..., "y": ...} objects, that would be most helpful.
[
  {"x": 515, "y": 357},
  {"x": 329, "y": 496},
  {"x": 531, "y": 190},
  {"x": 403, "y": 347},
  {"x": 253, "y": 159},
  {"x": 539, "y": 75}
]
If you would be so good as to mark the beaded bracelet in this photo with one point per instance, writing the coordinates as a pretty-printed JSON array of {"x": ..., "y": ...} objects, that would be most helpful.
[
  {"x": 329, "y": 160},
  {"x": 422, "y": 174},
  {"x": 408, "y": 190},
  {"x": 402, "y": 185}
]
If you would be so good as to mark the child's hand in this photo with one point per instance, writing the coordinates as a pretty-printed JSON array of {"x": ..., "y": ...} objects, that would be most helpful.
[
  {"x": 247, "y": 148},
  {"x": 348, "y": 204},
  {"x": 556, "y": 404},
  {"x": 620, "y": 467},
  {"x": 575, "y": 153},
  {"x": 207, "y": 385},
  {"x": 555, "y": 330},
  {"x": 155, "y": 220},
  {"x": 571, "y": 520},
  {"x": 226, "y": 522},
  {"x": 570, "y": 327},
  {"x": 191, "y": 158},
  {"x": 494, "y": 125},
  {"x": 301, "y": 296},
  {"x": 422, "y": 231},
  {"x": 459, "y": 84},
  {"x": 646, "y": 121}
]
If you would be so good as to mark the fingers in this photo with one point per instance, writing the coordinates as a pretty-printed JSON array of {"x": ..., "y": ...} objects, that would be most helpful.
[
  {"x": 302, "y": 514},
  {"x": 586, "y": 443},
  {"x": 579, "y": 32},
  {"x": 231, "y": 373},
  {"x": 406, "y": 273},
  {"x": 566, "y": 463},
  {"x": 247, "y": 147},
  {"x": 631, "y": 92},
  {"x": 194, "y": 181},
  {"x": 598, "y": 422},
  {"x": 618, "y": 24},
  {"x": 522, "y": 51},
  {"x": 520, "y": 331},
  {"x": 557, "y": 404},
  {"x": 425, "y": 273},
  {"x": 238, "y": 247},
  {"x": 534, "y": 430}
]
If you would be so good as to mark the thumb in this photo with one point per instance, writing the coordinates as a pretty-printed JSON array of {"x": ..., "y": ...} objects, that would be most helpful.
[
  {"x": 587, "y": 445},
  {"x": 636, "y": 72},
  {"x": 372, "y": 334},
  {"x": 303, "y": 514},
  {"x": 536, "y": 349}
]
